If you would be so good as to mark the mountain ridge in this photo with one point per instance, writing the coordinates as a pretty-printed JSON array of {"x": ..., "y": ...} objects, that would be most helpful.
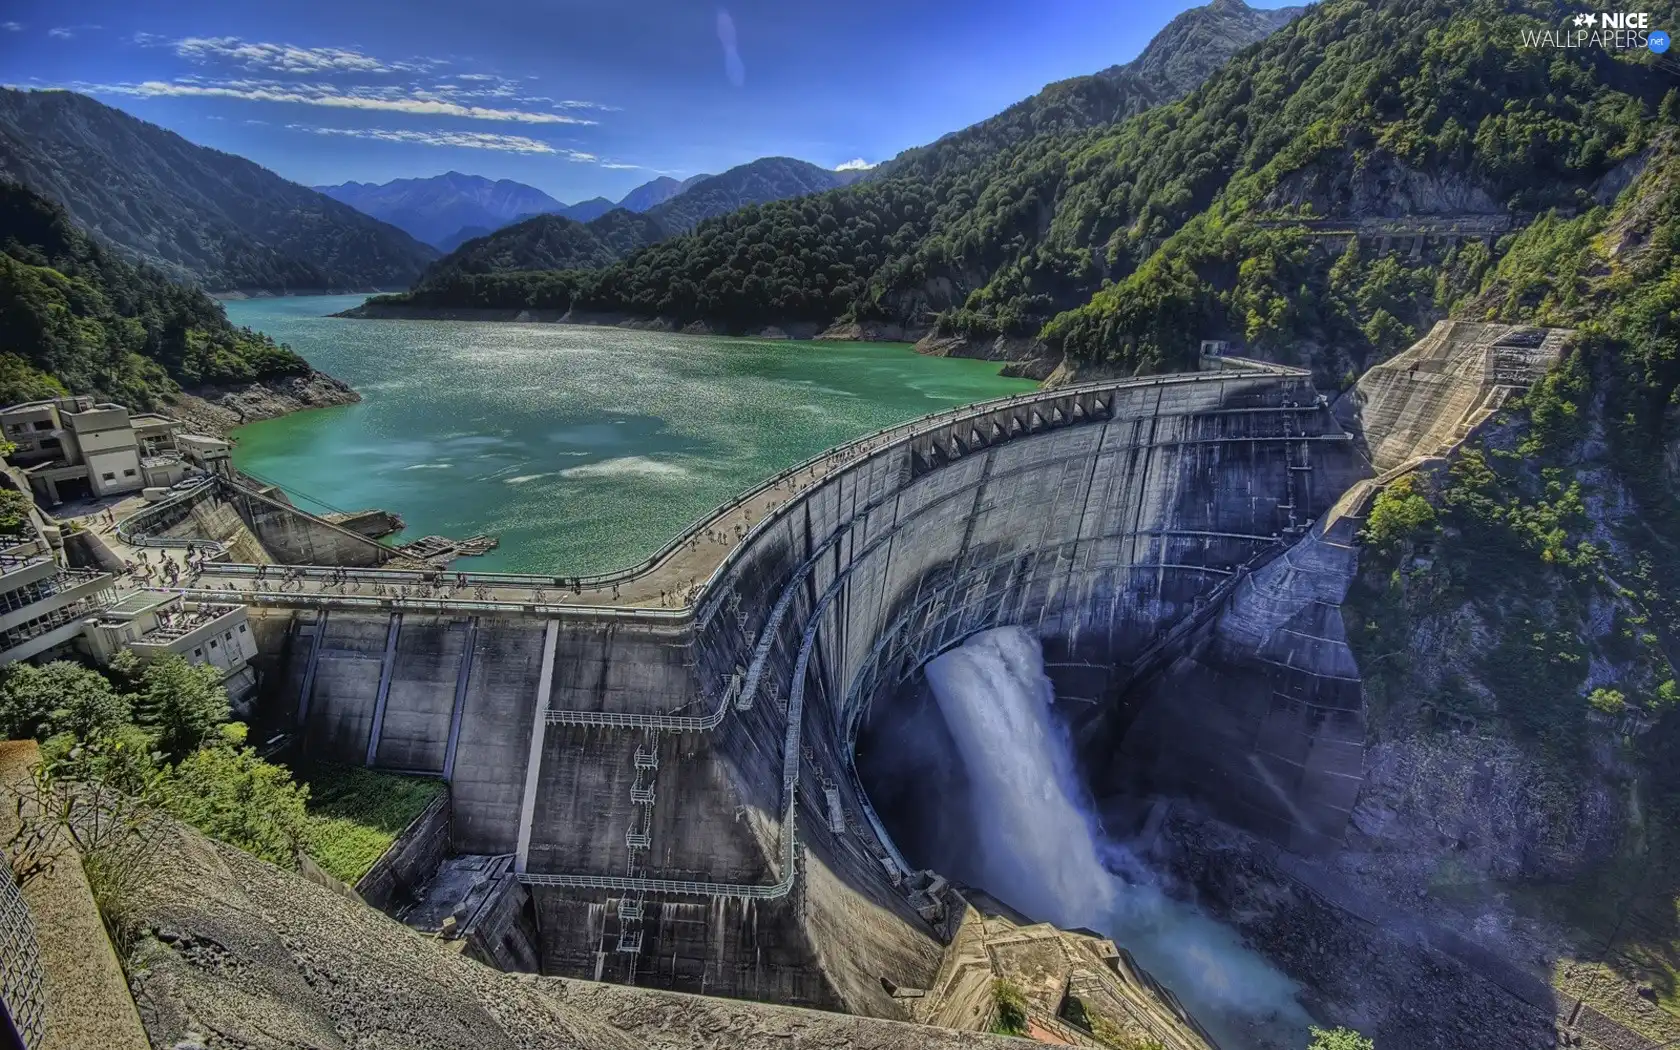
[
  {"x": 429, "y": 209},
  {"x": 445, "y": 211},
  {"x": 558, "y": 241},
  {"x": 195, "y": 213},
  {"x": 1212, "y": 33},
  {"x": 75, "y": 318}
]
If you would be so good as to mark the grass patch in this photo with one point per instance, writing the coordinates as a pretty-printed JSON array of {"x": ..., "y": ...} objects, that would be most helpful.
[{"x": 356, "y": 814}]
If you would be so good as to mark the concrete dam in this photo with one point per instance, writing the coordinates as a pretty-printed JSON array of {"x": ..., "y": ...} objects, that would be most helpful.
[{"x": 678, "y": 781}]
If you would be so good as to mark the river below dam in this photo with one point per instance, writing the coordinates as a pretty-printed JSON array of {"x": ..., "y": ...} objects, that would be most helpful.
[{"x": 583, "y": 449}]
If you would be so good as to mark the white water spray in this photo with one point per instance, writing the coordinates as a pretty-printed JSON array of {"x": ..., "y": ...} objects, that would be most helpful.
[{"x": 1039, "y": 848}]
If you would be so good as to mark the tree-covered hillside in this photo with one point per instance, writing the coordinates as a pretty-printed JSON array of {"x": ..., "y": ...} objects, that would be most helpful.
[
  {"x": 549, "y": 242},
  {"x": 601, "y": 234},
  {"x": 75, "y": 318},
  {"x": 1127, "y": 243},
  {"x": 197, "y": 214},
  {"x": 756, "y": 182},
  {"x": 1179, "y": 57}
]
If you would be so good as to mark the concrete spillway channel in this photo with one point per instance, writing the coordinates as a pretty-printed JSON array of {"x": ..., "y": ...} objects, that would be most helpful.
[{"x": 678, "y": 785}]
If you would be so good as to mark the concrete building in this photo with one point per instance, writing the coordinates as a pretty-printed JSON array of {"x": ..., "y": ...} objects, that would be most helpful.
[
  {"x": 154, "y": 622},
  {"x": 72, "y": 447},
  {"x": 212, "y": 455},
  {"x": 44, "y": 606}
]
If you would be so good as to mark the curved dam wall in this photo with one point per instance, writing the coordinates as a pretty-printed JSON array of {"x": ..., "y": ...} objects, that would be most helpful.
[{"x": 678, "y": 787}]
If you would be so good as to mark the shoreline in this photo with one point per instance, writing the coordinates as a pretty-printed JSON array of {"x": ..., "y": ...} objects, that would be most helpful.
[
  {"x": 219, "y": 410},
  {"x": 239, "y": 294},
  {"x": 801, "y": 331},
  {"x": 1021, "y": 357}
]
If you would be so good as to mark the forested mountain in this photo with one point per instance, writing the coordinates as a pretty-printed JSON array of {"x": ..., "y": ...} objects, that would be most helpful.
[
  {"x": 585, "y": 211},
  {"x": 1125, "y": 244},
  {"x": 433, "y": 209},
  {"x": 957, "y": 165},
  {"x": 197, "y": 214},
  {"x": 75, "y": 318},
  {"x": 550, "y": 242},
  {"x": 756, "y": 182},
  {"x": 1178, "y": 58},
  {"x": 640, "y": 199},
  {"x": 660, "y": 190},
  {"x": 562, "y": 241}
]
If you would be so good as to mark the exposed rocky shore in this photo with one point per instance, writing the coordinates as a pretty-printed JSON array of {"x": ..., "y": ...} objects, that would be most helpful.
[{"x": 218, "y": 409}]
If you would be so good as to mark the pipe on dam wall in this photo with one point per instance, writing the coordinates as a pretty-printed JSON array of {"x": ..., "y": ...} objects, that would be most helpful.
[{"x": 698, "y": 751}]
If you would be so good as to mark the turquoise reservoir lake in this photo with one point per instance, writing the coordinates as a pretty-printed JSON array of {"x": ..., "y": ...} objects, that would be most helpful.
[{"x": 584, "y": 449}]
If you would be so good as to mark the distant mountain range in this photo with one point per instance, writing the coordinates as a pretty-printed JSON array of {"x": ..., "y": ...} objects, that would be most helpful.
[
  {"x": 561, "y": 241},
  {"x": 432, "y": 209},
  {"x": 197, "y": 214},
  {"x": 450, "y": 209},
  {"x": 909, "y": 245},
  {"x": 657, "y": 192}
]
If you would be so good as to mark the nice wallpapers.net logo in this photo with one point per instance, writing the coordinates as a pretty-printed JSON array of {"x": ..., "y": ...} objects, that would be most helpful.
[{"x": 1615, "y": 30}]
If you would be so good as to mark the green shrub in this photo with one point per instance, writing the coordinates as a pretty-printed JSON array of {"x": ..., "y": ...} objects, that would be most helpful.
[
  {"x": 1009, "y": 1009},
  {"x": 235, "y": 796},
  {"x": 1400, "y": 514},
  {"x": 1338, "y": 1039}
]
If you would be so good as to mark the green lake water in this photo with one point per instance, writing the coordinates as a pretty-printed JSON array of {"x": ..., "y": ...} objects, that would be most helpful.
[{"x": 583, "y": 449}]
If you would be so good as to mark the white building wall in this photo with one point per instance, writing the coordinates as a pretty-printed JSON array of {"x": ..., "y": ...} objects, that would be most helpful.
[{"x": 115, "y": 471}]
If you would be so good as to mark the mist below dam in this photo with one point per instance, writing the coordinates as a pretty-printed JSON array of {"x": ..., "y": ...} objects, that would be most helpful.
[{"x": 1035, "y": 843}]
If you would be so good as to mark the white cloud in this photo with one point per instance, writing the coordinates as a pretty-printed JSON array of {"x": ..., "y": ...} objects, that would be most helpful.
[
  {"x": 457, "y": 139},
  {"x": 289, "y": 58},
  {"x": 855, "y": 164},
  {"x": 12, "y": 27},
  {"x": 417, "y": 102},
  {"x": 617, "y": 166},
  {"x": 64, "y": 32}
]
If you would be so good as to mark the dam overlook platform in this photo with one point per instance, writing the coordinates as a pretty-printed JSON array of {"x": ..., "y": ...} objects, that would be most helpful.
[{"x": 682, "y": 759}]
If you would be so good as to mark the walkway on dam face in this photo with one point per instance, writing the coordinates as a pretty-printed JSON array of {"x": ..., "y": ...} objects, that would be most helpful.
[
  {"x": 669, "y": 584},
  {"x": 674, "y": 583}
]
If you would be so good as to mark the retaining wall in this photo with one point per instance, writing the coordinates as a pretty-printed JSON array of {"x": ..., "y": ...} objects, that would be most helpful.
[{"x": 411, "y": 860}]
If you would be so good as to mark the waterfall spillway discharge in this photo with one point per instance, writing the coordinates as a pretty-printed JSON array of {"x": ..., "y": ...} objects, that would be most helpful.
[{"x": 1040, "y": 850}]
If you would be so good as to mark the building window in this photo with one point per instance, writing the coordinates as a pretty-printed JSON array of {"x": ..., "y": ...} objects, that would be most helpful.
[
  {"x": 109, "y": 477},
  {"x": 43, "y": 424},
  {"x": 228, "y": 635},
  {"x": 241, "y": 628},
  {"x": 128, "y": 473},
  {"x": 212, "y": 643},
  {"x": 16, "y": 428},
  {"x": 198, "y": 654}
]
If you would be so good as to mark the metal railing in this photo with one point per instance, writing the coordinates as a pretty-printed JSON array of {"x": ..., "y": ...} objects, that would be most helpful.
[
  {"x": 683, "y": 888},
  {"x": 872, "y": 444},
  {"x": 23, "y": 980},
  {"x": 133, "y": 530}
]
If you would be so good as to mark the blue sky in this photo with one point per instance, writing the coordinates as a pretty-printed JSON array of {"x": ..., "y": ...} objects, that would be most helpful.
[{"x": 577, "y": 98}]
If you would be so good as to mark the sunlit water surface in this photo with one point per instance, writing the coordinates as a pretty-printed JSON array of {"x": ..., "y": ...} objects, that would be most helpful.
[{"x": 583, "y": 449}]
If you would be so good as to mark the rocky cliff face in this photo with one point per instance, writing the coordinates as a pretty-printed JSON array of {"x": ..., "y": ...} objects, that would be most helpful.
[
  {"x": 1376, "y": 184},
  {"x": 218, "y": 409}
]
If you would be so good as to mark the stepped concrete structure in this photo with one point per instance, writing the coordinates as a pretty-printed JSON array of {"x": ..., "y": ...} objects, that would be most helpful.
[{"x": 668, "y": 753}]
